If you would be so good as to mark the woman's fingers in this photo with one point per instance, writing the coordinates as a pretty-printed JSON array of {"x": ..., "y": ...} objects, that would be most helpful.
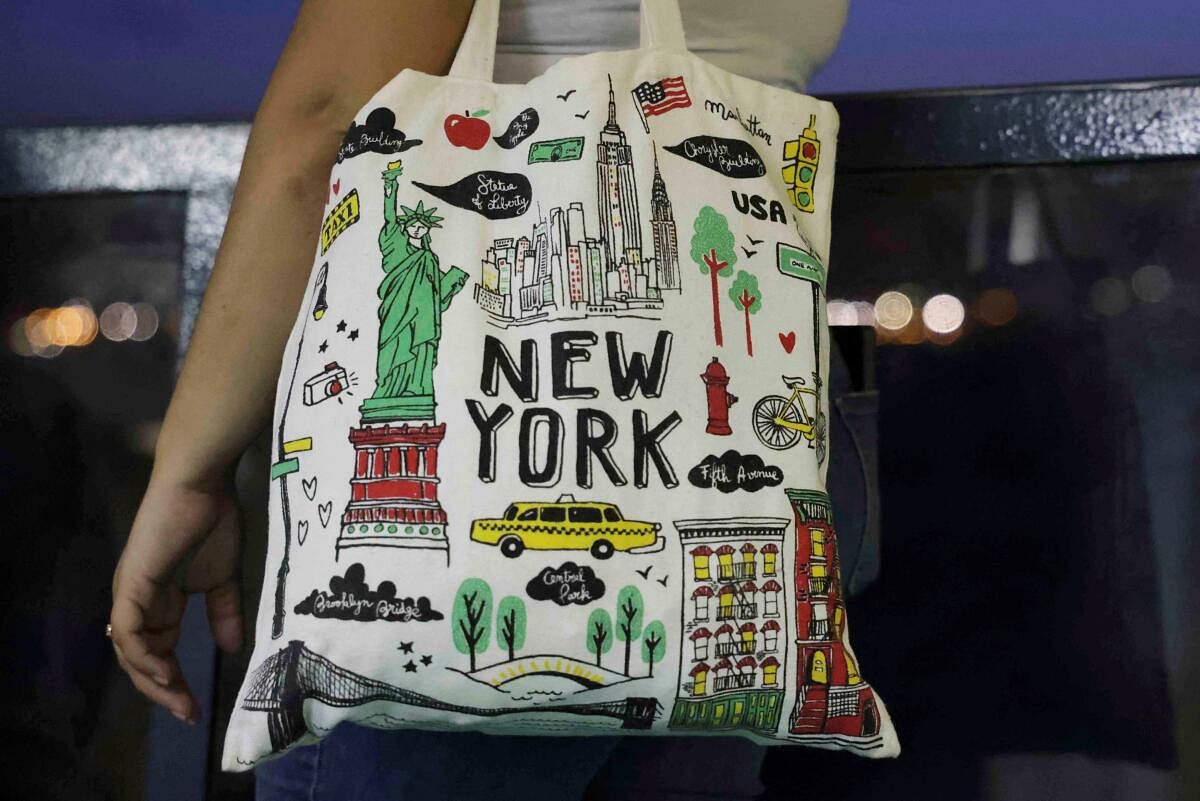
[
  {"x": 129, "y": 638},
  {"x": 175, "y": 699}
]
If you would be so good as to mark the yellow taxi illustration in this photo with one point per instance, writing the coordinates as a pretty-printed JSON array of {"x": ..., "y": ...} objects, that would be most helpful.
[{"x": 567, "y": 525}]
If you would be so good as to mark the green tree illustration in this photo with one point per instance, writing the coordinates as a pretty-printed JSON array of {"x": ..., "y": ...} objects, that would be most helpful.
[
  {"x": 745, "y": 295},
  {"x": 714, "y": 250},
  {"x": 629, "y": 618},
  {"x": 471, "y": 621},
  {"x": 510, "y": 624},
  {"x": 599, "y": 634},
  {"x": 653, "y": 638}
]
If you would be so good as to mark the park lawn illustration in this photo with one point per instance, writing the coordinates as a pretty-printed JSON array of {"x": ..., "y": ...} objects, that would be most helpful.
[{"x": 543, "y": 677}]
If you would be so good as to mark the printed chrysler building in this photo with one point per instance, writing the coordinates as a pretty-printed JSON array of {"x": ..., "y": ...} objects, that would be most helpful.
[
  {"x": 557, "y": 271},
  {"x": 662, "y": 226}
]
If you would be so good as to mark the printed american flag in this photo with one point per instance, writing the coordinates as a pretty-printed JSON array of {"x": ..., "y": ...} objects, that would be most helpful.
[{"x": 661, "y": 96}]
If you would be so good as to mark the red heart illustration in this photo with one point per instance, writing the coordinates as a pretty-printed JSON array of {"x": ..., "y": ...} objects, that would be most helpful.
[
  {"x": 788, "y": 340},
  {"x": 337, "y": 186}
]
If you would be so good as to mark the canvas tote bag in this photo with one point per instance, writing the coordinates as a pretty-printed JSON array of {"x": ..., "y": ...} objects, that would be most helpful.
[{"x": 550, "y": 435}]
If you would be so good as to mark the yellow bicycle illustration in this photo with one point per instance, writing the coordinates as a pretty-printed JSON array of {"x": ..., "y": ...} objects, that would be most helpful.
[{"x": 779, "y": 422}]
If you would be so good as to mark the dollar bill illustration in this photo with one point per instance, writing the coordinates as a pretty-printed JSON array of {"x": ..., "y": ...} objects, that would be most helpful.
[{"x": 567, "y": 149}]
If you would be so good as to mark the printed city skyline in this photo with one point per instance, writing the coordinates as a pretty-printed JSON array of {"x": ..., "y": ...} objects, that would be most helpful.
[{"x": 559, "y": 271}]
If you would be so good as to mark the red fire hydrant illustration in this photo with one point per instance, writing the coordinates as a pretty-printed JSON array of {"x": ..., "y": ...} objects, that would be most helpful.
[{"x": 719, "y": 400}]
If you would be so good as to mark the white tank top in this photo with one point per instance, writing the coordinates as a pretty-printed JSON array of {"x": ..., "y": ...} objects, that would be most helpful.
[{"x": 778, "y": 42}]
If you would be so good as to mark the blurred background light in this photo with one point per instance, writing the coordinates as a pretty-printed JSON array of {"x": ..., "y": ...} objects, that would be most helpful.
[
  {"x": 1151, "y": 283},
  {"x": 866, "y": 312},
  {"x": 146, "y": 322},
  {"x": 943, "y": 314},
  {"x": 893, "y": 310},
  {"x": 118, "y": 321},
  {"x": 841, "y": 312},
  {"x": 996, "y": 306},
  {"x": 18, "y": 340},
  {"x": 82, "y": 309}
]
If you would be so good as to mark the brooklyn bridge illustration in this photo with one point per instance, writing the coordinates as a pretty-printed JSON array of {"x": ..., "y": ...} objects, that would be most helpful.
[
  {"x": 560, "y": 272},
  {"x": 294, "y": 674}
]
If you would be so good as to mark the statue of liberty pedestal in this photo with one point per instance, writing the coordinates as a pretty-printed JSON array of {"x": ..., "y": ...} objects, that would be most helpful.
[
  {"x": 413, "y": 294},
  {"x": 394, "y": 492}
]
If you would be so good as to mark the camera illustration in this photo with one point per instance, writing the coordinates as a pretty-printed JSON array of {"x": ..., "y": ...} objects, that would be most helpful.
[{"x": 329, "y": 383}]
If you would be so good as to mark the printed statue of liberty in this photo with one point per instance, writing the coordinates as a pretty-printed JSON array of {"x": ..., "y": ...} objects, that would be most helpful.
[{"x": 413, "y": 294}]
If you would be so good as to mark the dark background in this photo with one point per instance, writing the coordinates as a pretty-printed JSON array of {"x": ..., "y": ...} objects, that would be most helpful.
[{"x": 122, "y": 61}]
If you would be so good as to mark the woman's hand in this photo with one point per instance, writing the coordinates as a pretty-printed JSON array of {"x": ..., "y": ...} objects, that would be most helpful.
[{"x": 185, "y": 538}]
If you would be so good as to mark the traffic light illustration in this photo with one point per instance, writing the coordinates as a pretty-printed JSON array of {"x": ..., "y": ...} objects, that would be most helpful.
[{"x": 800, "y": 169}]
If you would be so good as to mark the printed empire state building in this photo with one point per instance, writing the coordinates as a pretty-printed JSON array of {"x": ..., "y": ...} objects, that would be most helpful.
[
  {"x": 557, "y": 271},
  {"x": 616, "y": 193}
]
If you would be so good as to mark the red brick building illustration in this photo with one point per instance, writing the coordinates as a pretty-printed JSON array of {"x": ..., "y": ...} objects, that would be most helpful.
[{"x": 831, "y": 698}]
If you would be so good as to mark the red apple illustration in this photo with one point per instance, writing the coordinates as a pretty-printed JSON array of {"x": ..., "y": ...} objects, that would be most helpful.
[{"x": 469, "y": 130}]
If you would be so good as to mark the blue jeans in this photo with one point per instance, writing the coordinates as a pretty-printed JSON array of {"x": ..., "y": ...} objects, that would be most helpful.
[{"x": 356, "y": 763}]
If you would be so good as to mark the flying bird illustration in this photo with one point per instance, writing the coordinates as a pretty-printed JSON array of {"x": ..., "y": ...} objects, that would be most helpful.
[
  {"x": 753, "y": 241},
  {"x": 644, "y": 573},
  {"x": 583, "y": 116},
  {"x": 663, "y": 580},
  {"x": 748, "y": 253},
  {"x": 565, "y": 96}
]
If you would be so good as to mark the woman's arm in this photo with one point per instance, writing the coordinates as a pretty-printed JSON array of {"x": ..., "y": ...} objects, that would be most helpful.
[
  {"x": 185, "y": 536},
  {"x": 340, "y": 52}
]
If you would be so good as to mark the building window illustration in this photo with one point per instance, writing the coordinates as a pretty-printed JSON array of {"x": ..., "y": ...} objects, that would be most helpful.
[
  {"x": 729, "y": 678},
  {"x": 818, "y": 543},
  {"x": 770, "y": 669},
  {"x": 818, "y": 580},
  {"x": 725, "y": 603},
  {"x": 699, "y": 676},
  {"x": 725, "y": 644},
  {"x": 818, "y": 628},
  {"x": 748, "y": 551},
  {"x": 700, "y": 599},
  {"x": 771, "y": 591},
  {"x": 839, "y": 612},
  {"x": 700, "y": 638},
  {"x": 852, "y": 676},
  {"x": 734, "y": 604},
  {"x": 769, "y": 555},
  {"x": 818, "y": 670},
  {"x": 725, "y": 568},
  {"x": 770, "y": 632},
  {"x": 748, "y": 639},
  {"x": 700, "y": 562}
]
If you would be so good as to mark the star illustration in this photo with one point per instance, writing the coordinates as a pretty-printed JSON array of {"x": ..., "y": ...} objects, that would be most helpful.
[
  {"x": 341, "y": 326},
  {"x": 409, "y": 667},
  {"x": 354, "y": 334},
  {"x": 406, "y": 647},
  {"x": 427, "y": 659},
  {"x": 324, "y": 345}
]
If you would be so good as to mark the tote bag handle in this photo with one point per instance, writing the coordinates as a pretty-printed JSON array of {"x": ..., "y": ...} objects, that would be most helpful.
[{"x": 661, "y": 26}]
